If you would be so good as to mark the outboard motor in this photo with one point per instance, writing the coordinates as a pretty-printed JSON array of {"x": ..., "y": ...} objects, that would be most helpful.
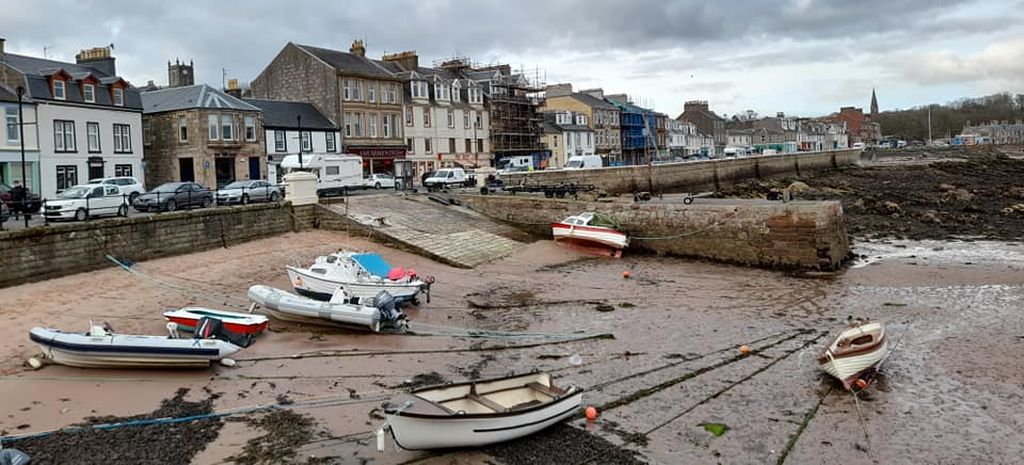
[
  {"x": 212, "y": 328},
  {"x": 389, "y": 312}
]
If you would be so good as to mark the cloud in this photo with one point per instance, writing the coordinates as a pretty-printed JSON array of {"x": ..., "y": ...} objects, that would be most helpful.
[{"x": 999, "y": 65}]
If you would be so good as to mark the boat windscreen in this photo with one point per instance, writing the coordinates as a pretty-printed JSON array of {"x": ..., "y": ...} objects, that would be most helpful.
[{"x": 372, "y": 263}]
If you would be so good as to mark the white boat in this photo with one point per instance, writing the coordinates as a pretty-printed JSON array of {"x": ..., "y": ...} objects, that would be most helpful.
[
  {"x": 477, "y": 413},
  {"x": 100, "y": 348},
  {"x": 376, "y": 314},
  {"x": 854, "y": 351},
  {"x": 187, "y": 319},
  {"x": 589, "y": 229},
  {"x": 362, "y": 275}
]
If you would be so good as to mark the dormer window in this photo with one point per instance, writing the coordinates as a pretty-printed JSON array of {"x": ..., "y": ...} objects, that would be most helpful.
[
  {"x": 419, "y": 89},
  {"x": 89, "y": 93},
  {"x": 58, "y": 90},
  {"x": 441, "y": 91},
  {"x": 119, "y": 97},
  {"x": 475, "y": 95},
  {"x": 455, "y": 92}
]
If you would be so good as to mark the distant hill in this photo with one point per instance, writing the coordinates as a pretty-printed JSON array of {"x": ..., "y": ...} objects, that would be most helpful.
[{"x": 949, "y": 119}]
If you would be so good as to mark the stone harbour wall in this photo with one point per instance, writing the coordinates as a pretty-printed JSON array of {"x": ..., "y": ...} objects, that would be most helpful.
[
  {"x": 797, "y": 235},
  {"x": 46, "y": 252},
  {"x": 694, "y": 175}
]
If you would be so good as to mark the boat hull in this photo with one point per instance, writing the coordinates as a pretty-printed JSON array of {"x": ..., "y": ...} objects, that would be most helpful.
[
  {"x": 242, "y": 323},
  {"x": 127, "y": 351},
  {"x": 317, "y": 287},
  {"x": 286, "y": 306},
  {"x": 848, "y": 369},
  {"x": 589, "y": 235},
  {"x": 414, "y": 433}
]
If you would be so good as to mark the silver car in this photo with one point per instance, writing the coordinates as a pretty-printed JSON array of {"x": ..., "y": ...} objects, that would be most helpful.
[{"x": 243, "y": 192}]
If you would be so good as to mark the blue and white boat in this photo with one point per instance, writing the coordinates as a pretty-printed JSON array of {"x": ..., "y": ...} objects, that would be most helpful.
[
  {"x": 100, "y": 348},
  {"x": 361, "y": 275}
]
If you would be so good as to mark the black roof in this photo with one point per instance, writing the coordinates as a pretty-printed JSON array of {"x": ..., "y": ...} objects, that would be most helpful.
[
  {"x": 37, "y": 72},
  {"x": 6, "y": 95},
  {"x": 280, "y": 114},
  {"x": 348, "y": 62}
]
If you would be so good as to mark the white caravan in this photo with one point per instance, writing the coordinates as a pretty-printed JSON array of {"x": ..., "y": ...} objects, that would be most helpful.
[{"x": 334, "y": 173}]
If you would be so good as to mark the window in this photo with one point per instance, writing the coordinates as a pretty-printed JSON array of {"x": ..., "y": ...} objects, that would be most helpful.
[
  {"x": 147, "y": 133},
  {"x": 67, "y": 176},
  {"x": 357, "y": 90},
  {"x": 480, "y": 145},
  {"x": 451, "y": 118},
  {"x": 588, "y": 140},
  {"x": 122, "y": 138},
  {"x": 123, "y": 170},
  {"x": 119, "y": 97},
  {"x": 331, "y": 143},
  {"x": 479, "y": 120},
  {"x": 357, "y": 124},
  {"x": 250, "y": 128},
  {"x": 92, "y": 131},
  {"x": 280, "y": 143},
  {"x": 469, "y": 145},
  {"x": 348, "y": 124},
  {"x": 451, "y": 145},
  {"x": 64, "y": 136},
  {"x": 13, "y": 134},
  {"x": 426, "y": 117},
  {"x": 226, "y": 127},
  {"x": 408, "y": 144},
  {"x": 89, "y": 93},
  {"x": 213, "y": 127},
  {"x": 371, "y": 91},
  {"x": 332, "y": 170},
  {"x": 437, "y": 91},
  {"x": 387, "y": 120},
  {"x": 455, "y": 93},
  {"x": 556, "y": 141},
  {"x": 373, "y": 125},
  {"x": 392, "y": 93},
  {"x": 182, "y": 129},
  {"x": 346, "y": 93},
  {"x": 58, "y": 90},
  {"x": 419, "y": 89},
  {"x": 408, "y": 116},
  {"x": 426, "y": 145},
  {"x": 307, "y": 141},
  {"x": 465, "y": 120}
]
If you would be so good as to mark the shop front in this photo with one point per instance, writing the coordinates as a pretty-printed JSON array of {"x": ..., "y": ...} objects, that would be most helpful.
[{"x": 379, "y": 160}]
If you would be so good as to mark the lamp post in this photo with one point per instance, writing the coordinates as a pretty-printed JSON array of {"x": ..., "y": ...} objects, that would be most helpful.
[{"x": 21, "y": 136}]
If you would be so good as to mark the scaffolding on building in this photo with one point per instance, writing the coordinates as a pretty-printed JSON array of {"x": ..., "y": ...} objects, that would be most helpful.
[{"x": 515, "y": 97}]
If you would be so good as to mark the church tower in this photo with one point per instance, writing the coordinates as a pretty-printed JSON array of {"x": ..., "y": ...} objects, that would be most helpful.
[
  {"x": 180, "y": 75},
  {"x": 874, "y": 104}
]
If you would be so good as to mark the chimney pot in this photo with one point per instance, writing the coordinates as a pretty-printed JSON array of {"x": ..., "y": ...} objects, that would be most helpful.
[{"x": 358, "y": 48}]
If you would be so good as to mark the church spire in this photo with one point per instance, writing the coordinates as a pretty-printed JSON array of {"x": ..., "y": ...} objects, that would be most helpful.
[{"x": 874, "y": 103}]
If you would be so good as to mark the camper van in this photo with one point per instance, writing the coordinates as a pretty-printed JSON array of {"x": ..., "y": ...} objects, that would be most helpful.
[
  {"x": 578, "y": 162},
  {"x": 517, "y": 163},
  {"x": 335, "y": 174}
]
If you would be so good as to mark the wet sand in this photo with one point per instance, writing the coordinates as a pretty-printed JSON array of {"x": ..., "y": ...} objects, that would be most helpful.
[{"x": 949, "y": 394}]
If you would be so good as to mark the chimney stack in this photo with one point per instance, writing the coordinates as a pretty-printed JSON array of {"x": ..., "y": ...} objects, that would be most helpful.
[
  {"x": 408, "y": 60},
  {"x": 97, "y": 58},
  {"x": 358, "y": 48},
  {"x": 558, "y": 90},
  {"x": 2, "y": 40},
  {"x": 233, "y": 89}
]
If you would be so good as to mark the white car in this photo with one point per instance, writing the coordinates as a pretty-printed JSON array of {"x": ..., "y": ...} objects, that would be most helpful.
[
  {"x": 86, "y": 201},
  {"x": 378, "y": 181},
  {"x": 448, "y": 178},
  {"x": 128, "y": 185}
]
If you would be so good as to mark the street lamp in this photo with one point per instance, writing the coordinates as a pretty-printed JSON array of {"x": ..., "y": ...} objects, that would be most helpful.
[{"x": 21, "y": 135}]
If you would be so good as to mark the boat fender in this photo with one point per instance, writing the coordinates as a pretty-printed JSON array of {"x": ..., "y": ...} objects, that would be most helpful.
[
  {"x": 228, "y": 362},
  {"x": 381, "y": 439},
  {"x": 34, "y": 363}
]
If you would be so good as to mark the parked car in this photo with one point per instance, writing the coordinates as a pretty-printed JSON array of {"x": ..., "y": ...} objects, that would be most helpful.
[
  {"x": 86, "y": 201},
  {"x": 128, "y": 185},
  {"x": 174, "y": 195},
  {"x": 378, "y": 181},
  {"x": 34, "y": 202},
  {"x": 243, "y": 192},
  {"x": 425, "y": 176}
]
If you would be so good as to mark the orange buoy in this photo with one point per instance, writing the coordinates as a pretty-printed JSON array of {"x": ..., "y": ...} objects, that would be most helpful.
[
  {"x": 625, "y": 274},
  {"x": 745, "y": 349},
  {"x": 861, "y": 384},
  {"x": 591, "y": 413}
]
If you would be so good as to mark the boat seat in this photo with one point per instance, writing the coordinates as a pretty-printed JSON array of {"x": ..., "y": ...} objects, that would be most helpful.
[
  {"x": 498, "y": 408},
  {"x": 549, "y": 391}
]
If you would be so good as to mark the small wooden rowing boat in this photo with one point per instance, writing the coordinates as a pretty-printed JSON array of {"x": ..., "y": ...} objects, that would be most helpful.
[
  {"x": 242, "y": 323},
  {"x": 589, "y": 229},
  {"x": 477, "y": 413},
  {"x": 854, "y": 351}
]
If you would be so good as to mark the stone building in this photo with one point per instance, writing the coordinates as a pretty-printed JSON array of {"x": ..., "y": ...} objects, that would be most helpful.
[
  {"x": 707, "y": 122},
  {"x": 290, "y": 128},
  {"x": 602, "y": 116},
  {"x": 360, "y": 94},
  {"x": 566, "y": 134},
  {"x": 198, "y": 133}
]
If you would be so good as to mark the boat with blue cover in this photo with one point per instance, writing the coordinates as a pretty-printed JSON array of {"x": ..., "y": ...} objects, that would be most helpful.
[{"x": 361, "y": 275}]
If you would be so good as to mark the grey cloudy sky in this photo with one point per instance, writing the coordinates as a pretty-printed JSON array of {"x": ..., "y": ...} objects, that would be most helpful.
[{"x": 799, "y": 56}]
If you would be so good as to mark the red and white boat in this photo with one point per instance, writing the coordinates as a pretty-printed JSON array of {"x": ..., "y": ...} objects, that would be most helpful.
[
  {"x": 242, "y": 323},
  {"x": 589, "y": 229}
]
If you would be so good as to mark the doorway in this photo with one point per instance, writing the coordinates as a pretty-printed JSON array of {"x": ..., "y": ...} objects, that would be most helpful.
[
  {"x": 186, "y": 172},
  {"x": 225, "y": 169},
  {"x": 95, "y": 168},
  {"x": 254, "y": 168}
]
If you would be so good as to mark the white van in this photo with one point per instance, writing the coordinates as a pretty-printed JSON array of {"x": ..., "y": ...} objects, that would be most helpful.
[
  {"x": 517, "y": 163},
  {"x": 448, "y": 177},
  {"x": 578, "y": 162},
  {"x": 334, "y": 173}
]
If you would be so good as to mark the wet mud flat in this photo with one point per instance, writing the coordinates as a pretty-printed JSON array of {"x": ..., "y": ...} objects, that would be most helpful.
[
  {"x": 978, "y": 195},
  {"x": 672, "y": 386}
]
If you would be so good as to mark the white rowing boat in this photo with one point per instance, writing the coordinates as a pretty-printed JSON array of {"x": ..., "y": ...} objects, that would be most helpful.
[
  {"x": 854, "y": 351},
  {"x": 477, "y": 413}
]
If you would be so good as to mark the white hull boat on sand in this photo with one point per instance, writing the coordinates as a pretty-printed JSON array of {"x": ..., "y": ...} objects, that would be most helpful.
[
  {"x": 362, "y": 275},
  {"x": 477, "y": 413},
  {"x": 100, "y": 348},
  {"x": 589, "y": 229},
  {"x": 376, "y": 314},
  {"x": 853, "y": 352}
]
